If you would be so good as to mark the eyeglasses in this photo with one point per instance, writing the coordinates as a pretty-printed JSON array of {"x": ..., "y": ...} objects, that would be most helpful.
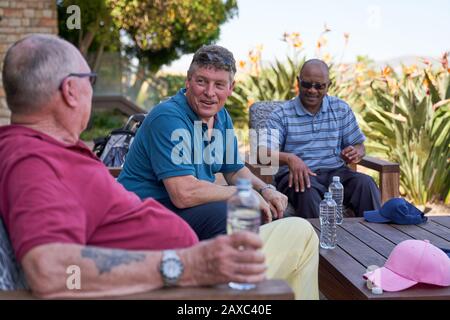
[
  {"x": 316, "y": 85},
  {"x": 92, "y": 77}
]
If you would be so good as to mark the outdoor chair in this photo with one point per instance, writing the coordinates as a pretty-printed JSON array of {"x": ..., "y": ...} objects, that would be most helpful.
[
  {"x": 388, "y": 171},
  {"x": 13, "y": 284}
]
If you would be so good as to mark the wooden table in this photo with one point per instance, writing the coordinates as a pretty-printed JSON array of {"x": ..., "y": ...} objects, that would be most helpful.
[{"x": 361, "y": 244}]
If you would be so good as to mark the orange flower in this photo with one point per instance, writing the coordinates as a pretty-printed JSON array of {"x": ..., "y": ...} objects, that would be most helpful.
[
  {"x": 242, "y": 64},
  {"x": 386, "y": 72},
  {"x": 359, "y": 80},
  {"x": 297, "y": 44},
  {"x": 393, "y": 86},
  {"x": 321, "y": 42},
  {"x": 254, "y": 56},
  {"x": 409, "y": 70},
  {"x": 360, "y": 67},
  {"x": 250, "y": 102},
  {"x": 293, "y": 39},
  {"x": 327, "y": 58}
]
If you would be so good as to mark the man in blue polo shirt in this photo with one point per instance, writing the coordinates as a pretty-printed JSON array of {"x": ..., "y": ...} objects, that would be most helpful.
[
  {"x": 185, "y": 140},
  {"x": 316, "y": 136}
]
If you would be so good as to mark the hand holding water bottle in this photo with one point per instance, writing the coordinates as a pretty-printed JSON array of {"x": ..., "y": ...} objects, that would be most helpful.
[{"x": 236, "y": 257}]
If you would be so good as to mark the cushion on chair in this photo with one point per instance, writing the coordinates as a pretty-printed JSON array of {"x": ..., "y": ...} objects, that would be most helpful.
[
  {"x": 11, "y": 275},
  {"x": 259, "y": 111}
]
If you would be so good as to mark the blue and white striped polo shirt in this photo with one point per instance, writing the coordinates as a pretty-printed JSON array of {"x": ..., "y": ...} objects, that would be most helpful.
[{"x": 317, "y": 139}]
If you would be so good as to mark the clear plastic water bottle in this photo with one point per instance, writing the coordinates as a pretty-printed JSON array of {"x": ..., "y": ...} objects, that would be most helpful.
[
  {"x": 328, "y": 222},
  {"x": 337, "y": 191},
  {"x": 243, "y": 214}
]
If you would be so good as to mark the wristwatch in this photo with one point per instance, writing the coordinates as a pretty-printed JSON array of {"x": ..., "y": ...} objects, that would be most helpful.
[
  {"x": 267, "y": 186},
  {"x": 171, "y": 268}
]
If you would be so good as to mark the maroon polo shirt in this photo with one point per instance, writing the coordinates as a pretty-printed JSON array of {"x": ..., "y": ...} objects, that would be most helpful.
[{"x": 51, "y": 192}]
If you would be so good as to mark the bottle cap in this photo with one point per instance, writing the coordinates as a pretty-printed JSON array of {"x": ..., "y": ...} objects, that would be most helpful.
[
  {"x": 377, "y": 290},
  {"x": 327, "y": 195},
  {"x": 336, "y": 179}
]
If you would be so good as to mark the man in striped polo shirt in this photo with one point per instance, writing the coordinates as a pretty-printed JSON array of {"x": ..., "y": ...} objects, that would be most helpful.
[{"x": 315, "y": 136}]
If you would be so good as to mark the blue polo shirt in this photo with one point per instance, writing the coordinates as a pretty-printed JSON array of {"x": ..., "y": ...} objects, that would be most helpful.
[
  {"x": 317, "y": 139},
  {"x": 172, "y": 141}
]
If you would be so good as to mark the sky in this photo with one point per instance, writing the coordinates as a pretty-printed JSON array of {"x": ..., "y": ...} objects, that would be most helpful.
[{"x": 380, "y": 29}]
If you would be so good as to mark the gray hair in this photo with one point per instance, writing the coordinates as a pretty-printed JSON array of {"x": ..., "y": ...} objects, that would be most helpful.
[
  {"x": 213, "y": 56},
  {"x": 34, "y": 68}
]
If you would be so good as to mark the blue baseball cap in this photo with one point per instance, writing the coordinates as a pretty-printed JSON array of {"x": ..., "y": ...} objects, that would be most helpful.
[{"x": 396, "y": 210}]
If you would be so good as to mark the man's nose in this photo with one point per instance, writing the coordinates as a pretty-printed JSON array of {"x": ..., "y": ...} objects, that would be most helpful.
[
  {"x": 311, "y": 90},
  {"x": 209, "y": 90}
]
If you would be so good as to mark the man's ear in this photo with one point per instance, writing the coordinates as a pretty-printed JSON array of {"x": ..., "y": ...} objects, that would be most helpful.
[
  {"x": 232, "y": 85},
  {"x": 68, "y": 92}
]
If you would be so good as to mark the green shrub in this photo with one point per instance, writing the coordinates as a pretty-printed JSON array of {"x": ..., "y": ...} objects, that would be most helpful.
[
  {"x": 101, "y": 124},
  {"x": 411, "y": 125}
]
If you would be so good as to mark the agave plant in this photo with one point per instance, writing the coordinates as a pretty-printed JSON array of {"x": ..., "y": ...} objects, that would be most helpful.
[
  {"x": 276, "y": 82},
  {"x": 412, "y": 128}
]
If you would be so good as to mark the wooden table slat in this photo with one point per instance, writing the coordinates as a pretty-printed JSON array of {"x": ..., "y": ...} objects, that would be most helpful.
[
  {"x": 370, "y": 238},
  {"x": 442, "y": 220},
  {"x": 437, "y": 229},
  {"x": 360, "y": 251},
  {"x": 343, "y": 269},
  {"x": 421, "y": 234},
  {"x": 387, "y": 231}
]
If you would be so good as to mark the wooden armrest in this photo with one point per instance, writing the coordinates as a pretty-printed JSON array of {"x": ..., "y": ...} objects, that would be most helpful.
[
  {"x": 266, "y": 290},
  {"x": 256, "y": 170},
  {"x": 379, "y": 165},
  {"x": 115, "y": 171},
  {"x": 389, "y": 176}
]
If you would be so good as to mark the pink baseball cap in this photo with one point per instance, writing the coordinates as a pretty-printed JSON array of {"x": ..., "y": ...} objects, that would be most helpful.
[{"x": 411, "y": 262}]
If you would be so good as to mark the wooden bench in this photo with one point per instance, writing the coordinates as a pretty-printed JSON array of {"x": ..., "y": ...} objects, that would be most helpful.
[
  {"x": 13, "y": 283},
  {"x": 389, "y": 175},
  {"x": 266, "y": 290},
  {"x": 389, "y": 172}
]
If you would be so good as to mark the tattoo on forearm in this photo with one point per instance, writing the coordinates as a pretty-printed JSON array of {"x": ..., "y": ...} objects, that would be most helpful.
[{"x": 105, "y": 260}]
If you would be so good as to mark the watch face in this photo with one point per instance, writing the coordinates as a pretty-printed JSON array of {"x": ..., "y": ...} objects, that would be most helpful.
[{"x": 172, "y": 268}]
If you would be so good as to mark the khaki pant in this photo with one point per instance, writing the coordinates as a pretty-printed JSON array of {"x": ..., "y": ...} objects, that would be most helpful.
[{"x": 291, "y": 247}]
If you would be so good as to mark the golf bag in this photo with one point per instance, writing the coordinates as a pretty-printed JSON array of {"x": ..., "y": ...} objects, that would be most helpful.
[{"x": 113, "y": 148}]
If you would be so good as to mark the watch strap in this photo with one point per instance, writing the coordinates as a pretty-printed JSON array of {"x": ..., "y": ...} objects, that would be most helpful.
[{"x": 267, "y": 186}]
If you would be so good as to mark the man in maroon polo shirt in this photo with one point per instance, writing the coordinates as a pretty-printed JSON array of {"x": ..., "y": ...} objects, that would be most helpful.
[{"x": 61, "y": 207}]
